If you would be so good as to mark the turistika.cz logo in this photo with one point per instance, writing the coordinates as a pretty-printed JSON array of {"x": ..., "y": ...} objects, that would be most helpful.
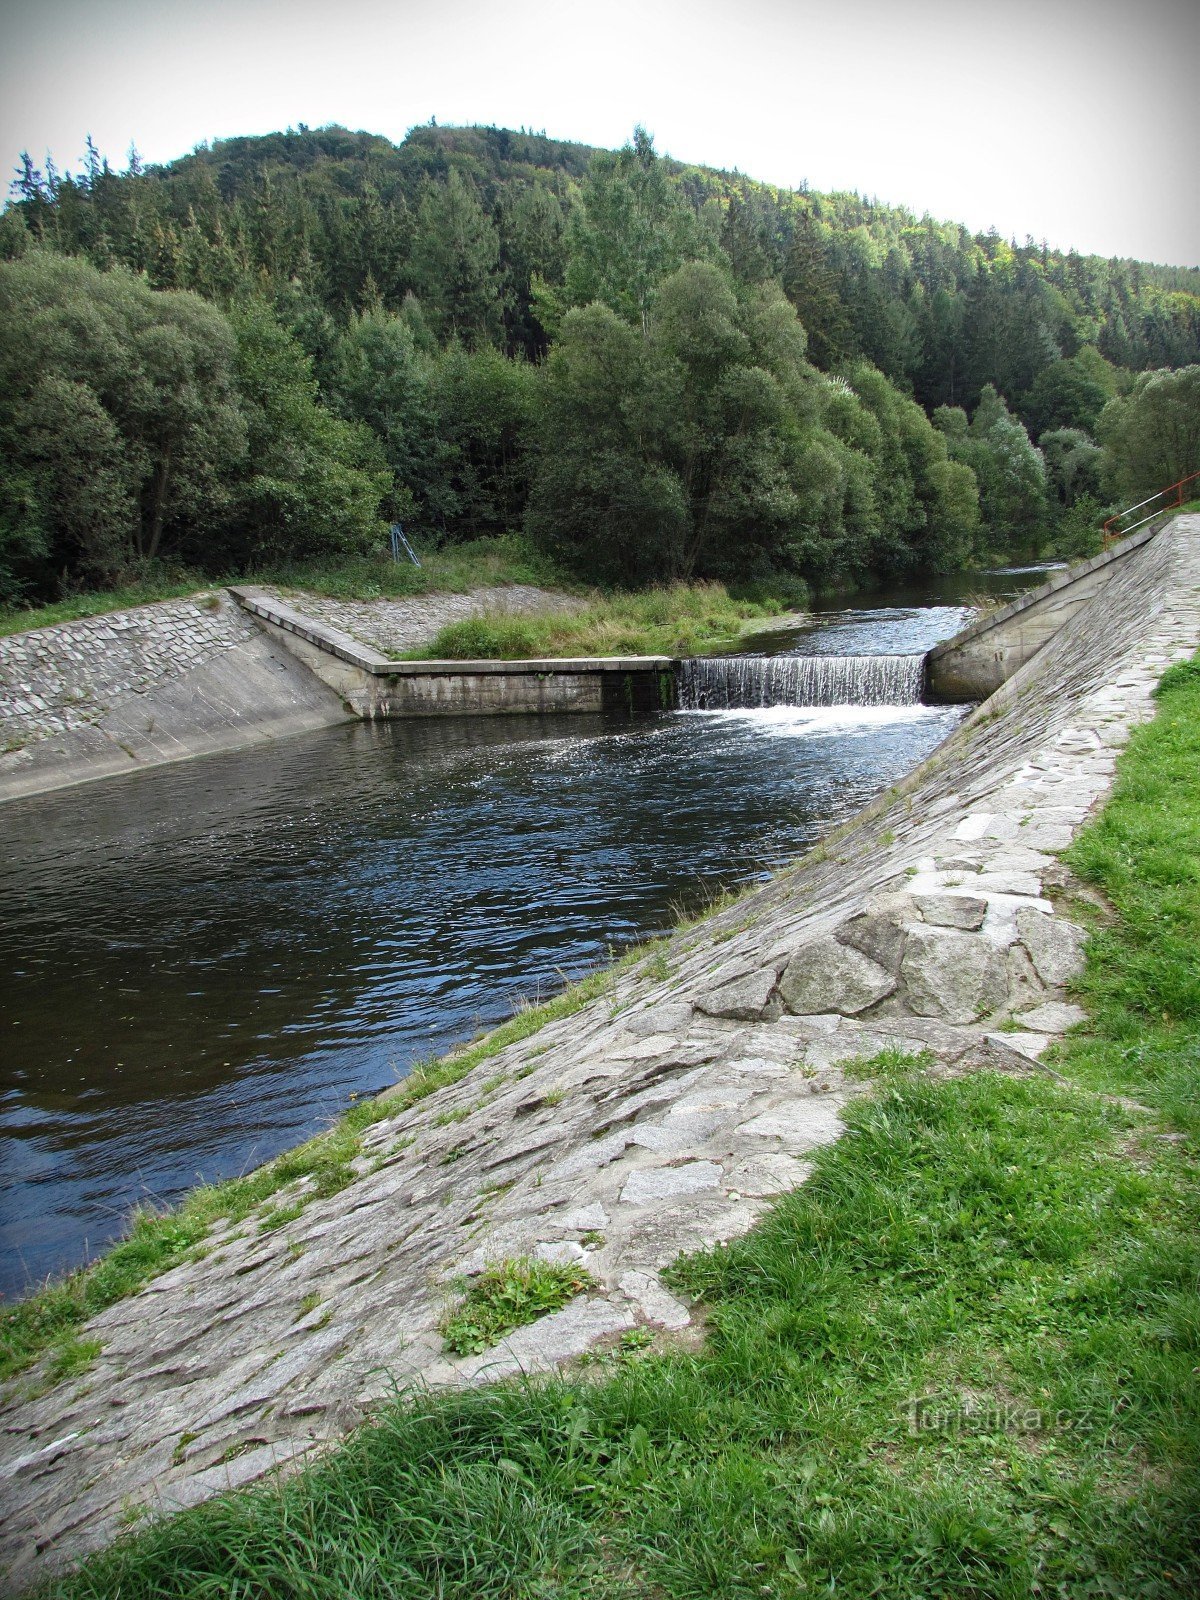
[{"x": 938, "y": 1415}]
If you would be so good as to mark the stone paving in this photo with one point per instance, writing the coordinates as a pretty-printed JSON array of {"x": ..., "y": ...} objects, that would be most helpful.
[
  {"x": 661, "y": 1118},
  {"x": 58, "y": 679},
  {"x": 396, "y": 626}
]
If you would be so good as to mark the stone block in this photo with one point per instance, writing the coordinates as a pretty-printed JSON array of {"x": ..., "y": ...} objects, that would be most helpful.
[
  {"x": 965, "y": 911},
  {"x": 827, "y": 975},
  {"x": 1053, "y": 1017},
  {"x": 653, "y": 1301},
  {"x": 745, "y": 999},
  {"x": 667, "y": 1183},
  {"x": 953, "y": 975},
  {"x": 801, "y": 1124},
  {"x": 1055, "y": 946},
  {"x": 879, "y": 938},
  {"x": 770, "y": 1174}
]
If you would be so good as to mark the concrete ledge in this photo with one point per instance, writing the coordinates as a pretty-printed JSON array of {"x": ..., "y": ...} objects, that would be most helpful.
[
  {"x": 332, "y": 640},
  {"x": 532, "y": 666},
  {"x": 373, "y": 685}
]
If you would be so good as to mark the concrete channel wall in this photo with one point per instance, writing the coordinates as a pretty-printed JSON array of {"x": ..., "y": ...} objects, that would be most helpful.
[
  {"x": 661, "y": 1117},
  {"x": 978, "y": 660},
  {"x": 374, "y": 685},
  {"x": 121, "y": 693}
]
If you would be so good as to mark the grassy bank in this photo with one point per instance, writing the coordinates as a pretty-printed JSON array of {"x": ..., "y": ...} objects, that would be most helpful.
[
  {"x": 961, "y": 1361},
  {"x": 683, "y": 620},
  {"x": 455, "y": 569},
  {"x": 20, "y": 619}
]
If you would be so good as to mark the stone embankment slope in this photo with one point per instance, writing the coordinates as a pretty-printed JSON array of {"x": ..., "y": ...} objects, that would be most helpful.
[
  {"x": 115, "y": 694},
  {"x": 396, "y": 626},
  {"x": 659, "y": 1119}
]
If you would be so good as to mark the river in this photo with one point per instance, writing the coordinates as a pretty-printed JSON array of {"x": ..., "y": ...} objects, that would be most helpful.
[{"x": 205, "y": 963}]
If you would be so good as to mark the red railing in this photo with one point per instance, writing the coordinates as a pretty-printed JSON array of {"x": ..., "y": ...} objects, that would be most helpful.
[{"x": 1113, "y": 531}]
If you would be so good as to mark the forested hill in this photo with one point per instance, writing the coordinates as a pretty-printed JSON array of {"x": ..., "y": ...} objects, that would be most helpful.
[
  {"x": 340, "y": 214},
  {"x": 654, "y": 369}
]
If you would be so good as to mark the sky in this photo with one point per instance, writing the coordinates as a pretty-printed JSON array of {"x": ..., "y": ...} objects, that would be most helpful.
[{"x": 1067, "y": 120}]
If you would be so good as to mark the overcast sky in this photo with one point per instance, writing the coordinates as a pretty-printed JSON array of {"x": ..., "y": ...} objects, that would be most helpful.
[{"x": 1071, "y": 120}]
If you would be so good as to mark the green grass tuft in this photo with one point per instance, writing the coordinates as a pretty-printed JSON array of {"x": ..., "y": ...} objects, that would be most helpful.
[
  {"x": 683, "y": 620},
  {"x": 509, "y": 1295}
]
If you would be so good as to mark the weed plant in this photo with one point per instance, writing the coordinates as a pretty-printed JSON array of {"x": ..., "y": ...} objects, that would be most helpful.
[{"x": 509, "y": 1295}]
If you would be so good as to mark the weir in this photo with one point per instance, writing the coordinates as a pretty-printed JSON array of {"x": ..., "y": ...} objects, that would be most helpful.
[{"x": 726, "y": 683}]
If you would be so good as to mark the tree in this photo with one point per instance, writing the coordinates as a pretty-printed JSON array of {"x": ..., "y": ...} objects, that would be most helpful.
[
  {"x": 312, "y": 484},
  {"x": 378, "y": 378},
  {"x": 118, "y": 405},
  {"x": 1070, "y": 394},
  {"x": 1073, "y": 464},
  {"x": 533, "y": 249},
  {"x": 697, "y": 450},
  {"x": 485, "y": 407},
  {"x": 1151, "y": 436},
  {"x": 629, "y": 232},
  {"x": 928, "y": 505},
  {"x": 1010, "y": 472},
  {"x": 604, "y": 500},
  {"x": 813, "y": 287},
  {"x": 455, "y": 263}
]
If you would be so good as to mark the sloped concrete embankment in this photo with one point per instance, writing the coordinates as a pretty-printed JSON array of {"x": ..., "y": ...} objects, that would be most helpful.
[
  {"x": 116, "y": 694},
  {"x": 974, "y": 664},
  {"x": 659, "y": 1119}
]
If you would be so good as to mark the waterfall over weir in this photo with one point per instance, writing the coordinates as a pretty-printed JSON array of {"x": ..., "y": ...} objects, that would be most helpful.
[{"x": 729, "y": 683}]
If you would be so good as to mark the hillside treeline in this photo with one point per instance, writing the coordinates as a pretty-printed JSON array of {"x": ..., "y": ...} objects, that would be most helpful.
[{"x": 268, "y": 349}]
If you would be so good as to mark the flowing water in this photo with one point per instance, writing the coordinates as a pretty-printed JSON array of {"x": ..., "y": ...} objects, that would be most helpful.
[
  {"x": 745, "y": 683},
  {"x": 203, "y": 964}
]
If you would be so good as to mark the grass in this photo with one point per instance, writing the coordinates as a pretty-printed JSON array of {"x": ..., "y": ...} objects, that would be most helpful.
[
  {"x": 506, "y": 1296},
  {"x": 680, "y": 620},
  {"x": 20, "y": 619},
  {"x": 959, "y": 1362},
  {"x": 454, "y": 569}
]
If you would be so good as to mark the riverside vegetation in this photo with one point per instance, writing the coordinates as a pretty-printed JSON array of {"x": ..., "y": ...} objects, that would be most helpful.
[
  {"x": 258, "y": 355},
  {"x": 959, "y": 1360},
  {"x": 681, "y": 620}
]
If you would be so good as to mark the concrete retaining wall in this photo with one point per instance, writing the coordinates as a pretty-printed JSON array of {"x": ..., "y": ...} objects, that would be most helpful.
[
  {"x": 977, "y": 661},
  {"x": 374, "y": 685},
  {"x": 116, "y": 694}
]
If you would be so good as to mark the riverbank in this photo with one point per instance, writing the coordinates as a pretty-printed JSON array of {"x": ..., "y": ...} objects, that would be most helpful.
[
  {"x": 456, "y": 569},
  {"x": 661, "y": 1117},
  {"x": 960, "y": 1357}
]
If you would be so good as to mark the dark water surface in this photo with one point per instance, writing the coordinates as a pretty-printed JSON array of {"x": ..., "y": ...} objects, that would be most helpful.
[{"x": 203, "y": 963}]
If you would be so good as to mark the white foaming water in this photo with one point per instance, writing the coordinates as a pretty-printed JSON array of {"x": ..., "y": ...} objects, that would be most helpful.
[{"x": 790, "y": 722}]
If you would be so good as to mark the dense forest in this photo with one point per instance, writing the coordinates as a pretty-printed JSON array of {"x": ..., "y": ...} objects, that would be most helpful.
[{"x": 265, "y": 351}]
